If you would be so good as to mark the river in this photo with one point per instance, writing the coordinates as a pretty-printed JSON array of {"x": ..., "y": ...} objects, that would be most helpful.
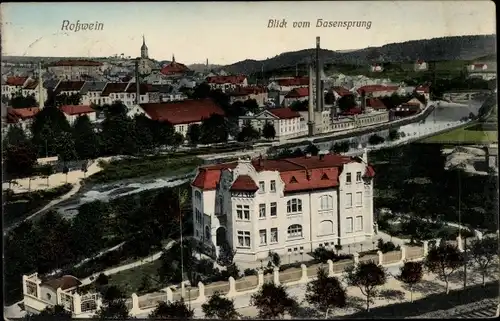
[{"x": 447, "y": 113}]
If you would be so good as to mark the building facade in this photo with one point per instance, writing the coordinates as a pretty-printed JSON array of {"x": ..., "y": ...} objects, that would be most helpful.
[
  {"x": 287, "y": 123},
  {"x": 286, "y": 206},
  {"x": 75, "y": 69}
]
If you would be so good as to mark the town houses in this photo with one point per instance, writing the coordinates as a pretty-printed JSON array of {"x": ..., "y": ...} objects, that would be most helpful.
[
  {"x": 287, "y": 123},
  {"x": 288, "y": 206},
  {"x": 227, "y": 83}
]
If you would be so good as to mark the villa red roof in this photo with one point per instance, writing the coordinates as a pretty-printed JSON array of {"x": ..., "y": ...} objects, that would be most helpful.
[
  {"x": 249, "y": 90},
  {"x": 143, "y": 88},
  {"x": 16, "y": 81},
  {"x": 352, "y": 111},
  {"x": 31, "y": 85},
  {"x": 479, "y": 65},
  {"x": 298, "y": 174},
  {"x": 244, "y": 183},
  {"x": 235, "y": 80},
  {"x": 184, "y": 111},
  {"x": 65, "y": 282},
  {"x": 174, "y": 68},
  {"x": 284, "y": 113},
  {"x": 298, "y": 92},
  {"x": 15, "y": 115},
  {"x": 341, "y": 91},
  {"x": 376, "y": 88},
  {"x": 77, "y": 109},
  {"x": 375, "y": 103},
  {"x": 85, "y": 63},
  {"x": 298, "y": 81}
]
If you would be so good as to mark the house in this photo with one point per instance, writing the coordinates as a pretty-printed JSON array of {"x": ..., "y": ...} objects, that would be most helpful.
[
  {"x": 227, "y": 83},
  {"x": 145, "y": 90},
  {"x": 424, "y": 91},
  {"x": 167, "y": 93},
  {"x": 287, "y": 84},
  {"x": 69, "y": 87},
  {"x": 376, "y": 68},
  {"x": 296, "y": 94},
  {"x": 91, "y": 92},
  {"x": 22, "y": 117},
  {"x": 75, "y": 69},
  {"x": 410, "y": 108},
  {"x": 73, "y": 111},
  {"x": 339, "y": 92},
  {"x": 288, "y": 206},
  {"x": 40, "y": 294},
  {"x": 14, "y": 85},
  {"x": 492, "y": 156},
  {"x": 251, "y": 92},
  {"x": 287, "y": 122},
  {"x": 420, "y": 65},
  {"x": 113, "y": 91},
  {"x": 377, "y": 90},
  {"x": 32, "y": 88},
  {"x": 486, "y": 71},
  {"x": 174, "y": 69},
  {"x": 375, "y": 104},
  {"x": 478, "y": 67},
  {"x": 182, "y": 114}
]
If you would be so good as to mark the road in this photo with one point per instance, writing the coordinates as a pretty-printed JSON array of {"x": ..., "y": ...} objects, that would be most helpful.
[{"x": 487, "y": 308}]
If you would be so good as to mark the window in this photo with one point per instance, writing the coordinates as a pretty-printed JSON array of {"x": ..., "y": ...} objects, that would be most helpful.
[
  {"x": 326, "y": 227},
  {"x": 358, "y": 177},
  {"x": 359, "y": 223},
  {"x": 262, "y": 187},
  {"x": 274, "y": 235},
  {"x": 359, "y": 198},
  {"x": 244, "y": 238},
  {"x": 263, "y": 237},
  {"x": 273, "y": 186},
  {"x": 294, "y": 206},
  {"x": 262, "y": 210},
  {"x": 348, "y": 226},
  {"x": 294, "y": 231},
  {"x": 326, "y": 202},
  {"x": 243, "y": 212},
  {"x": 207, "y": 233},
  {"x": 197, "y": 195},
  {"x": 274, "y": 209},
  {"x": 348, "y": 178},
  {"x": 199, "y": 216},
  {"x": 348, "y": 200}
]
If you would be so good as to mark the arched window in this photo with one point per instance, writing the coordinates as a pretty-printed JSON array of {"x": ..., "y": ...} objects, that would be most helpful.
[
  {"x": 207, "y": 233},
  {"x": 294, "y": 231},
  {"x": 326, "y": 227},
  {"x": 197, "y": 195},
  {"x": 294, "y": 206},
  {"x": 326, "y": 202}
]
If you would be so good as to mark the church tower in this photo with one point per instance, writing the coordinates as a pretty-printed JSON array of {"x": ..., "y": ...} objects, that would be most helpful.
[{"x": 144, "y": 49}]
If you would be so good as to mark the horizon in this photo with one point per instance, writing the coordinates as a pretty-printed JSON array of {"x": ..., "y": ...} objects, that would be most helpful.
[{"x": 28, "y": 33}]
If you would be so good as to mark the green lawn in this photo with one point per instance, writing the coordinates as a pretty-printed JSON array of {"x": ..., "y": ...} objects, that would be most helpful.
[
  {"x": 130, "y": 281},
  {"x": 473, "y": 134}
]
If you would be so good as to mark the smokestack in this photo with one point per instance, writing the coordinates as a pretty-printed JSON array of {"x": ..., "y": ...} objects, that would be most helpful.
[
  {"x": 363, "y": 101},
  {"x": 319, "y": 92},
  {"x": 41, "y": 102},
  {"x": 310, "y": 122},
  {"x": 137, "y": 92}
]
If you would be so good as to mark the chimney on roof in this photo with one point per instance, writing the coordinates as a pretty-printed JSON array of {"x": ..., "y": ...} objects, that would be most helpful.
[
  {"x": 310, "y": 122},
  {"x": 364, "y": 157},
  {"x": 261, "y": 160},
  {"x": 321, "y": 156},
  {"x": 40, "y": 86},
  {"x": 137, "y": 92},
  {"x": 319, "y": 92}
]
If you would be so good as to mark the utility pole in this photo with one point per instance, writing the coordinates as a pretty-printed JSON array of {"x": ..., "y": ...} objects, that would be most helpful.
[{"x": 183, "y": 289}]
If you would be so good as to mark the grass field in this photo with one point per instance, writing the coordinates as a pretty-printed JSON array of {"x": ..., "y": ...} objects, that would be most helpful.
[
  {"x": 131, "y": 281},
  {"x": 474, "y": 134}
]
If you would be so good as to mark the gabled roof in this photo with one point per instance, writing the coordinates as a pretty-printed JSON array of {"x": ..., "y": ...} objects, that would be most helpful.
[
  {"x": 424, "y": 89},
  {"x": 284, "y": 113},
  {"x": 114, "y": 87},
  {"x": 16, "y": 81},
  {"x": 235, "y": 80},
  {"x": 31, "y": 85},
  {"x": 375, "y": 103},
  {"x": 244, "y": 183},
  {"x": 50, "y": 84},
  {"x": 93, "y": 86},
  {"x": 341, "y": 91},
  {"x": 65, "y": 282},
  {"x": 143, "y": 88},
  {"x": 182, "y": 112},
  {"x": 298, "y": 92},
  {"x": 376, "y": 88},
  {"x": 298, "y": 81},
  {"x": 15, "y": 115},
  {"x": 77, "y": 109},
  {"x": 70, "y": 86},
  {"x": 163, "y": 89}
]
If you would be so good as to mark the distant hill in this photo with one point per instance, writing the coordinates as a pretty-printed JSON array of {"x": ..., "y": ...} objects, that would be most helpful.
[
  {"x": 436, "y": 49},
  {"x": 203, "y": 67}
]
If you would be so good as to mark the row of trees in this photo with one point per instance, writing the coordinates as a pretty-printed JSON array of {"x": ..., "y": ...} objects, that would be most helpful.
[{"x": 326, "y": 293}]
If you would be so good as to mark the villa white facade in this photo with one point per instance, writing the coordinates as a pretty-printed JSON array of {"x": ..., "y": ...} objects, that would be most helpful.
[{"x": 288, "y": 206}]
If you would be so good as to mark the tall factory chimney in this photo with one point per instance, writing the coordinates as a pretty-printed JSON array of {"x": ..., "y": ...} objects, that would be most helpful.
[
  {"x": 319, "y": 92},
  {"x": 41, "y": 101},
  {"x": 310, "y": 123},
  {"x": 137, "y": 82}
]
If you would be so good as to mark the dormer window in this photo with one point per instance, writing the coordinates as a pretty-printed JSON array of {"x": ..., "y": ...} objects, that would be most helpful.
[
  {"x": 293, "y": 180},
  {"x": 324, "y": 177}
]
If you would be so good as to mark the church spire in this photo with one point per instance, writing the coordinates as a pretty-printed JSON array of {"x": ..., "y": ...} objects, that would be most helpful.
[
  {"x": 143, "y": 40},
  {"x": 144, "y": 48},
  {"x": 173, "y": 58}
]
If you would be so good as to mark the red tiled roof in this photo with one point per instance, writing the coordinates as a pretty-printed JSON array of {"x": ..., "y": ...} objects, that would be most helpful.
[
  {"x": 249, "y": 90},
  {"x": 85, "y": 63},
  {"x": 369, "y": 172},
  {"x": 16, "y": 81},
  {"x": 114, "y": 87},
  {"x": 143, "y": 88},
  {"x": 298, "y": 92},
  {"x": 284, "y": 113},
  {"x": 65, "y": 282},
  {"x": 420, "y": 62},
  {"x": 298, "y": 81},
  {"x": 15, "y": 115},
  {"x": 376, "y": 88},
  {"x": 352, "y": 111},
  {"x": 375, "y": 103},
  {"x": 244, "y": 183},
  {"x": 31, "y": 85},
  {"x": 479, "y": 65},
  {"x": 76, "y": 109},
  {"x": 184, "y": 111},
  {"x": 70, "y": 86},
  {"x": 341, "y": 91},
  {"x": 235, "y": 80},
  {"x": 298, "y": 174},
  {"x": 424, "y": 89},
  {"x": 174, "y": 68}
]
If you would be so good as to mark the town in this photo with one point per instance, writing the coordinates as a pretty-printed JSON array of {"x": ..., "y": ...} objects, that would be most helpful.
[{"x": 135, "y": 187}]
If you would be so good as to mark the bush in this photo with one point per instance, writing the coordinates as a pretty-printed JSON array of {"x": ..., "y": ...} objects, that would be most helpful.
[
  {"x": 322, "y": 255},
  {"x": 249, "y": 272},
  {"x": 385, "y": 247},
  {"x": 375, "y": 139}
]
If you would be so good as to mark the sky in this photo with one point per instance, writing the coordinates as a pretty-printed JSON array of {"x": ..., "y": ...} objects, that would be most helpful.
[{"x": 228, "y": 32}]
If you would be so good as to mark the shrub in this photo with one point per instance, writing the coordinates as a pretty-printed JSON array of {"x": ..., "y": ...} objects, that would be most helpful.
[
  {"x": 322, "y": 255},
  {"x": 249, "y": 272},
  {"x": 375, "y": 139},
  {"x": 385, "y": 247}
]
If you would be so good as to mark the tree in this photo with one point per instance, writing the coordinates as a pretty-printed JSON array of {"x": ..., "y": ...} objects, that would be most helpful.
[
  {"x": 443, "y": 261},
  {"x": 251, "y": 105},
  {"x": 329, "y": 98},
  {"x": 201, "y": 91},
  {"x": 367, "y": 276},
  {"x": 272, "y": 301},
  {"x": 194, "y": 133},
  {"x": 56, "y": 312},
  {"x": 15, "y": 136},
  {"x": 274, "y": 259},
  {"x": 87, "y": 229},
  {"x": 226, "y": 255},
  {"x": 19, "y": 160},
  {"x": 19, "y": 101},
  {"x": 411, "y": 273},
  {"x": 214, "y": 130},
  {"x": 268, "y": 131},
  {"x": 219, "y": 307},
  {"x": 116, "y": 309},
  {"x": 325, "y": 293},
  {"x": 248, "y": 133},
  {"x": 312, "y": 149},
  {"x": 86, "y": 140},
  {"x": 47, "y": 127},
  {"x": 118, "y": 131},
  {"x": 65, "y": 147},
  {"x": 393, "y": 134},
  {"x": 346, "y": 102},
  {"x": 172, "y": 310},
  {"x": 375, "y": 139},
  {"x": 484, "y": 253},
  {"x": 144, "y": 126}
]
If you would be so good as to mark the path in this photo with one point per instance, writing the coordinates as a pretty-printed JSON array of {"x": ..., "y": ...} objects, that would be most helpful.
[{"x": 487, "y": 308}]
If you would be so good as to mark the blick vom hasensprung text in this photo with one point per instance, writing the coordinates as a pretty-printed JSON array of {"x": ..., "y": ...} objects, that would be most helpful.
[{"x": 320, "y": 23}]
